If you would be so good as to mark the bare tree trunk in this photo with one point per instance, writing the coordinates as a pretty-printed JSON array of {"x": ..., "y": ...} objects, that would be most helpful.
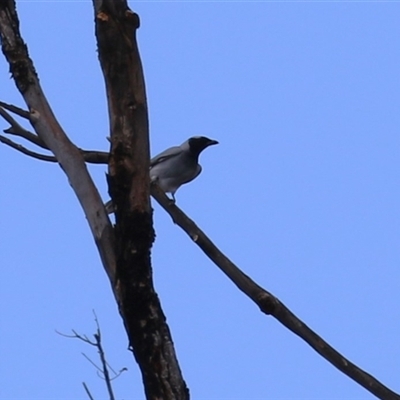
[{"x": 149, "y": 336}]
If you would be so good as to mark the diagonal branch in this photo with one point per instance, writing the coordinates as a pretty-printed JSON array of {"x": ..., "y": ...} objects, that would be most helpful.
[
  {"x": 268, "y": 303},
  {"x": 87, "y": 391},
  {"x": 14, "y": 109},
  {"x": 51, "y": 133},
  {"x": 93, "y": 157},
  {"x": 24, "y": 150}
]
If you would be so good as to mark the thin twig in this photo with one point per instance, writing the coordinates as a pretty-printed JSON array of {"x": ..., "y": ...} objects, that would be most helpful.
[
  {"x": 77, "y": 336},
  {"x": 106, "y": 374},
  {"x": 16, "y": 110},
  {"x": 25, "y": 151},
  {"x": 92, "y": 362},
  {"x": 112, "y": 370},
  {"x": 104, "y": 364},
  {"x": 92, "y": 157},
  {"x": 117, "y": 374},
  {"x": 87, "y": 391},
  {"x": 17, "y": 130}
]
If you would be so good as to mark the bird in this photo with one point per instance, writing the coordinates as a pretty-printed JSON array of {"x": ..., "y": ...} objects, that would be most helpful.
[
  {"x": 175, "y": 166},
  {"x": 179, "y": 164}
]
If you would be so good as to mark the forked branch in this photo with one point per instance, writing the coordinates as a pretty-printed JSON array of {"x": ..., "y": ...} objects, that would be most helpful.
[
  {"x": 52, "y": 135},
  {"x": 90, "y": 156},
  {"x": 103, "y": 371}
]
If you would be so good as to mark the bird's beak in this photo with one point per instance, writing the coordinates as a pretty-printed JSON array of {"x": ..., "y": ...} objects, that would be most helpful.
[{"x": 211, "y": 142}]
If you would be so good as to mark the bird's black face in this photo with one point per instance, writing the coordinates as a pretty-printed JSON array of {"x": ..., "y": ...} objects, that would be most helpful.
[{"x": 198, "y": 143}]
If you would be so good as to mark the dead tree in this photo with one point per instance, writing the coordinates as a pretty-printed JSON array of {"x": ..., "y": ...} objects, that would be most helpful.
[{"x": 125, "y": 248}]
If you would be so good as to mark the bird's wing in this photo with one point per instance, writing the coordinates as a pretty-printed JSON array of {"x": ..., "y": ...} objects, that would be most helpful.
[
  {"x": 165, "y": 155},
  {"x": 197, "y": 173}
]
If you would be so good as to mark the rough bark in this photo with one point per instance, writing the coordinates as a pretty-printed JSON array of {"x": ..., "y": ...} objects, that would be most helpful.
[{"x": 149, "y": 336}]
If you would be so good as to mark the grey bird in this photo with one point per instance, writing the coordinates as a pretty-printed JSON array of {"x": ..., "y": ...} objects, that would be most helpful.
[{"x": 178, "y": 165}]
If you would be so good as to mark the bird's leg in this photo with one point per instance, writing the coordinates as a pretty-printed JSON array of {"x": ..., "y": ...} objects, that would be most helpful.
[
  {"x": 154, "y": 180},
  {"x": 109, "y": 206}
]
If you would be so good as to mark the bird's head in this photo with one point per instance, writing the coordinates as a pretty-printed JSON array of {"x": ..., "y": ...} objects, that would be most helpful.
[{"x": 197, "y": 144}]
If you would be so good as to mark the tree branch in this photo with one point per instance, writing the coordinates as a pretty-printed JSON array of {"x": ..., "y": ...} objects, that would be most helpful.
[
  {"x": 50, "y": 132},
  {"x": 268, "y": 303},
  {"x": 104, "y": 365},
  {"x": 107, "y": 378},
  {"x": 24, "y": 150},
  {"x": 14, "y": 109},
  {"x": 17, "y": 130},
  {"x": 87, "y": 391},
  {"x": 90, "y": 156}
]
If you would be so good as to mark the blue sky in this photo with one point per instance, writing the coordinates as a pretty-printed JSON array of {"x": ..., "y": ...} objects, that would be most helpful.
[{"x": 302, "y": 193}]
